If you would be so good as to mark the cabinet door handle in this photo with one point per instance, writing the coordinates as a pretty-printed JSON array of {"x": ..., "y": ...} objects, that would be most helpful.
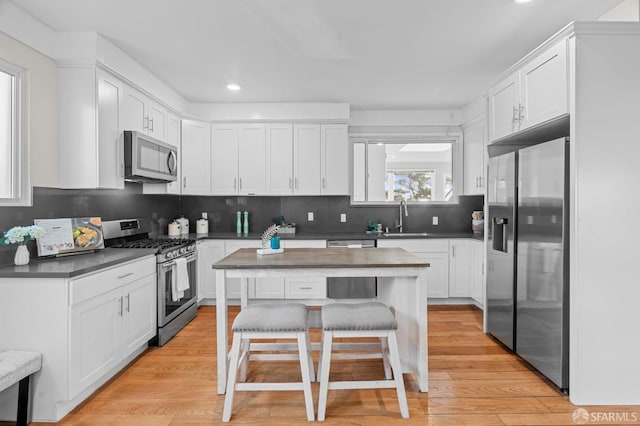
[
  {"x": 521, "y": 114},
  {"x": 125, "y": 275},
  {"x": 129, "y": 302},
  {"x": 151, "y": 121},
  {"x": 515, "y": 117},
  {"x": 296, "y": 183},
  {"x": 324, "y": 183},
  {"x": 240, "y": 184},
  {"x": 184, "y": 182},
  {"x": 235, "y": 182},
  {"x": 145, "y": 124},
  {"x": 481, "y": 181},
  {"x": 121, "y": 300},
  {"x": 121, "y": 170},
  {"x": 453, "y": 251},
  {"x": 290, "y": 183}
]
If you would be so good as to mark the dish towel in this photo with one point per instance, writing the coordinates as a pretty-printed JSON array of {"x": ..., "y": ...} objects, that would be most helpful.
[{"x": 180, "y": 279}]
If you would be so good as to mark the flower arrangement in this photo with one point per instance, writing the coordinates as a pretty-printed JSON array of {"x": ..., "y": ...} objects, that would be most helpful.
[{"x": 21, "y": 234}]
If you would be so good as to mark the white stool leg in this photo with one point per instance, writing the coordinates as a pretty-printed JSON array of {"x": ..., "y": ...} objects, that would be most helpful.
[
  {"x": 232, "y": 372},
  {"x": 325, "y": 359},
  {"x": 245, "y": 346},
  {"x": 394, "y": 354},
  {"x": 305, "y": 370},
  {"x": 319, "y": 370},
  {"x": 312, "y": 373},
  {"x": 384, "y": 345}
]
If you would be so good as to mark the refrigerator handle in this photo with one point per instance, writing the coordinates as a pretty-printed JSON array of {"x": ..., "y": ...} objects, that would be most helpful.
[{"x": 500, "y": 233}]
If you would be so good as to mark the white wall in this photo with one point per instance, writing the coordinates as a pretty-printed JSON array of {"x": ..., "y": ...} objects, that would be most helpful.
[
  {"x": 42, "y": 108},
  {"x": 405, "y": 118}
]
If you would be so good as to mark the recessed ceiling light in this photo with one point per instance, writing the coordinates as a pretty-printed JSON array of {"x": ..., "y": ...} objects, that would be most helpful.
[{"x": 233, "y": 87}]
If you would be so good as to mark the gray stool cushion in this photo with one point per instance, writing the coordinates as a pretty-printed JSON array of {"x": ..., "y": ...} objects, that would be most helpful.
[
  {"x": 16, "y": 365},
  {"x": 358, "y": 316},
  {"x": 269, "y": 318}
]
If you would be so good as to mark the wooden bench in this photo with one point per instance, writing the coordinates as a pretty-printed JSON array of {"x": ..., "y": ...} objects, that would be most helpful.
[{"x": 17, "y": 367}]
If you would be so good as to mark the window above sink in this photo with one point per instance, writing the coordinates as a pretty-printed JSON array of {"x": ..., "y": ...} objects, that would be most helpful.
[{"x": 421, "y": 169}]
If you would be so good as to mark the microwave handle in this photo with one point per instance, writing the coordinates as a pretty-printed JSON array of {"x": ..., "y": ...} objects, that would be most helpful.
[{"x": 171, "y": 161}]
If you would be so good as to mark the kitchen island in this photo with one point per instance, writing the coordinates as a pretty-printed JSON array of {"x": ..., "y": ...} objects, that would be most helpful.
[{"x": 402, "y": 285}]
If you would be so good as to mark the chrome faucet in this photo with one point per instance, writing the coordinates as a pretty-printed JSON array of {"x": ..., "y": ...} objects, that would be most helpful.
[{"x": 399, "y": 225}]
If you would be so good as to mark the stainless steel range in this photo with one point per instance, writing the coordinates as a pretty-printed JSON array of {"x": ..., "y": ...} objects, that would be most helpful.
[{"x": 175, "y": 308}]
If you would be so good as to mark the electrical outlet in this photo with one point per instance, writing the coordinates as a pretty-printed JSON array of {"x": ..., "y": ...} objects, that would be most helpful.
[
  {"x": 343, "y": 217},
  {"x": 310, "y": 216},
  {"x": 434, "y": 220}
]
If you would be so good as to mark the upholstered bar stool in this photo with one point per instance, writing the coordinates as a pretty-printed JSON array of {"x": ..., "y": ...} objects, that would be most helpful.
[
  {"x": 17, "y": 367},
  {"x": 273, "y": 321},
  {"x": 360, "y": 320}
]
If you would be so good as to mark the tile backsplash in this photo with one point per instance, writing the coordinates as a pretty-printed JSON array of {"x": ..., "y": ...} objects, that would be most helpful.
[{"x": 132, "y": 203}]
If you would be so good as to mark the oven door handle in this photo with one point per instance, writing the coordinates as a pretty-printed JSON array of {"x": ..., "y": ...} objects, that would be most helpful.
[{"x": 170, "y": 264}]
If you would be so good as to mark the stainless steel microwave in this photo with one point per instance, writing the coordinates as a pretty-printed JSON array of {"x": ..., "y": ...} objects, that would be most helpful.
[{"x": 147, "y": 159}]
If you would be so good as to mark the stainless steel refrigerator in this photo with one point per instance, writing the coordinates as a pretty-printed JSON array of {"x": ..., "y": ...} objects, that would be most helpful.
[{"x": 527, "y": 256}]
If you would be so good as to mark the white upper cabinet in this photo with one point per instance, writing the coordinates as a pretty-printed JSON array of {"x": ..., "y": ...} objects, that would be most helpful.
[
  {"x": 174, "y": 137},
  {"x": 91, "y": 155},
  {"x": 306, "y": 155},
  {"x": 537, "y": 92},
  {"x": 252, "y": 155},
  {"x": 503, "y": 108},
  {"x": 279, "y": 159},
  {"x": 196, "y": 157},
  {"x": 238, "y": 162},
  {"x": 141, "y": 114},
  {"x": 544, "y": 87},
  {"x": 224, "y": 159},
  {"x": 334, "y": 159},
  {"x": 474, "y": 153}
]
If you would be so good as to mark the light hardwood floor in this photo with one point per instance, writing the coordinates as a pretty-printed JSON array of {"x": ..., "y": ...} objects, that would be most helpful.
[{"x": 472, "y": 381}]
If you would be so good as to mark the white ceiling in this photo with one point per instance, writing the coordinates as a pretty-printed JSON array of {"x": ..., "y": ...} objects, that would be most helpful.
[{"x": 373, "y": 54}]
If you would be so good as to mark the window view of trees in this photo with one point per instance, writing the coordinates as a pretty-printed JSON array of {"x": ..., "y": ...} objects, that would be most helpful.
[{"x": 409, "y": 185}]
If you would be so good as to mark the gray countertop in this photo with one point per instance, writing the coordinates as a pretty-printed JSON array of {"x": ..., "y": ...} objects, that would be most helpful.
[
  {"x": 331, "y": 236},
  {"x": 73, "y": 266}
]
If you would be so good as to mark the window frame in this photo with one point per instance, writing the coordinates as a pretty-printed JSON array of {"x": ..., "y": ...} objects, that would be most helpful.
[
  {"x": 21, "y": 187},
  {"x": 455, "y": 138}
]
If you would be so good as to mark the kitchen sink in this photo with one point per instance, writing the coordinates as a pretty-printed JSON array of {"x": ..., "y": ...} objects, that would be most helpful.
[{"x": 405, "y": 234}]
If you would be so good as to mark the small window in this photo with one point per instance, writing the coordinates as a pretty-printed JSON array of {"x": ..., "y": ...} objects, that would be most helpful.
[
  {"x": 14, "y": 188},
  {"x": 390, "y": 170}
]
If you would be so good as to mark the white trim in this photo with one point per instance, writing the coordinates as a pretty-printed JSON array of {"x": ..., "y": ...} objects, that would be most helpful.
[{"x": 21, "y": 186}]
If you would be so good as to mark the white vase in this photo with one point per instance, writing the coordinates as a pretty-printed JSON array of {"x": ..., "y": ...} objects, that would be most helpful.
[{"x": 22, "y": 256}]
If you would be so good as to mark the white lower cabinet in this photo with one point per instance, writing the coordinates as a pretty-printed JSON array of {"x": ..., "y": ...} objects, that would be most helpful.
[
  {"x": 87, "y": 329},
  {"x": 292, "y": 287},
  {"x": 477, "y": 272},
  {"x": 209, "y": 252},
  {"x": 275, "y": 287},
  {"x": 233, "y": 284},
  {"x": 436, "y": 252},
  {"x": 108, "y": 327},
  {"x": 460, "y": 268}
]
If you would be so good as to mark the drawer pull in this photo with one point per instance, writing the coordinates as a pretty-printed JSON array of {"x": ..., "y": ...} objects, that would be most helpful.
[
  {"x": 125, "y": 275},
  {"x": 306, "y": 288}
]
